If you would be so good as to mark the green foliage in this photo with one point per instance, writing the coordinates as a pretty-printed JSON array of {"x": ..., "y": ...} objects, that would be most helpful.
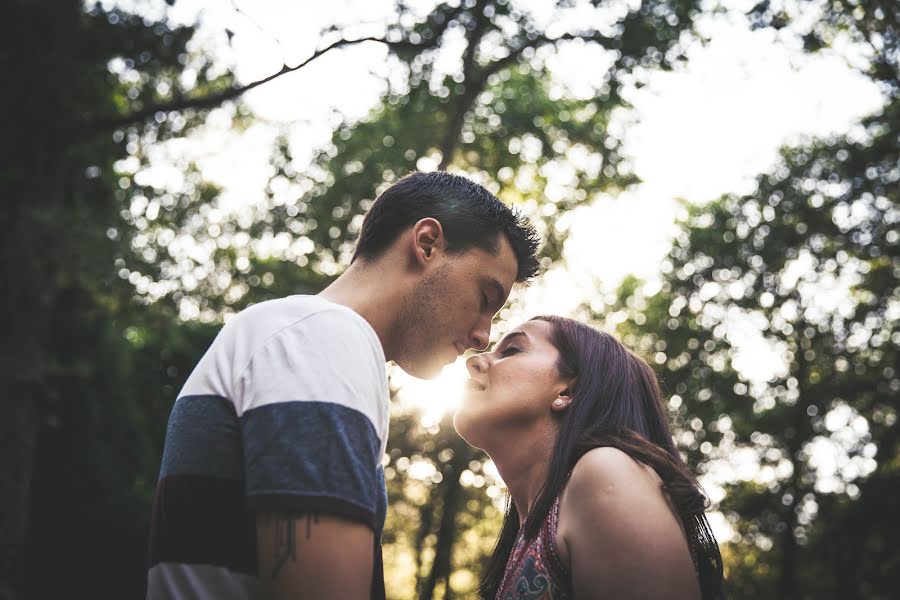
[
  {"x": 777, "y": 258},
  {"x": 80, "y": 366},
  {"x": 117, "y": 286}
]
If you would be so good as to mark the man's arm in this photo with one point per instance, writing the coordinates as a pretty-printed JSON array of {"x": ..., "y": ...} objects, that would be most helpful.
[
  {"x": 313, "y": 555},
  {"x": 312, "y": 433}
]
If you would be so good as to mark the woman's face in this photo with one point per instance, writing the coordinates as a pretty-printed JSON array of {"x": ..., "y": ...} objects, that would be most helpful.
[{"x": 512, "y": 388}]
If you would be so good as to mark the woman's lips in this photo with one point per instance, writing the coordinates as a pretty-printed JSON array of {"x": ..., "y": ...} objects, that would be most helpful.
[{"x": 474, "y": 386}]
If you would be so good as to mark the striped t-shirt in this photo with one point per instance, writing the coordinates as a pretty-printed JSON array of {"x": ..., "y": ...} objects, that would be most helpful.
[{"x": 287, "y": 411}]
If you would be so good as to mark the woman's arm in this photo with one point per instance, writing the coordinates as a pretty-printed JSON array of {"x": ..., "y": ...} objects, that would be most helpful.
[{"x": 619, "y": 533}]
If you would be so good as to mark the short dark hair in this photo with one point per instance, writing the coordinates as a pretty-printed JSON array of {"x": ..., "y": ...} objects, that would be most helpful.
[{"x": 470, "y": 216}]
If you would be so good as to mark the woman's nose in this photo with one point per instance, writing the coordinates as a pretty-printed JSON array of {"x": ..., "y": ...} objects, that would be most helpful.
[{"x": 477, "y": 364}]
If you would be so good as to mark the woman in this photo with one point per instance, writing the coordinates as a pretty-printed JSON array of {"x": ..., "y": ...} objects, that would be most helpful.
[{"x": 602, "y": 504}]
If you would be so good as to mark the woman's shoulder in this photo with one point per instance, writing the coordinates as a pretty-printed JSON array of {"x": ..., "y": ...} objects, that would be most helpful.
[
  {"x": 617, "y": 530},
  {"x": 608, "y": 482},
  {"x": 611, "y": 471}
]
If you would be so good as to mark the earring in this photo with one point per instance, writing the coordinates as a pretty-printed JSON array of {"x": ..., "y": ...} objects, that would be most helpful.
[{"x": 558, "y": 402}]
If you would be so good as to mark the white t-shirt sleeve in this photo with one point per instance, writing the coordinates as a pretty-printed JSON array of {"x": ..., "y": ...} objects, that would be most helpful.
[{"x": 312, "y": 403}]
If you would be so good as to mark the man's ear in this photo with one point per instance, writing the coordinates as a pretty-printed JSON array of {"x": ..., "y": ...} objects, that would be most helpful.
[{"x": 428, "y": 240}]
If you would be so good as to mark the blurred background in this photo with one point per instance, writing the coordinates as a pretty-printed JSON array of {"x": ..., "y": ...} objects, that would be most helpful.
[{"x": 715, "y": 182}]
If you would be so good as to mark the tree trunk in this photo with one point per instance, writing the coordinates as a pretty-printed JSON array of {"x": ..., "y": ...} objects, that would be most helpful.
[
  {"x": 18, "y": 430},
  {"x": 787, "y": 577},
  {"x": 426, "y": 519},
  {"x": 440, "y": 568},
  {"x": 452, "y": 496},
  {"x": 787, "y": 580},
  {"x": 473, "y": 85}
]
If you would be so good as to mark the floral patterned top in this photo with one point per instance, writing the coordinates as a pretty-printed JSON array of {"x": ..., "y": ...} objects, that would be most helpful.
[{"x": 534, "y": 570}]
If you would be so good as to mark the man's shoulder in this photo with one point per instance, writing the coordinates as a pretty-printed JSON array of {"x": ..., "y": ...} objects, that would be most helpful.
[
  {"x": 283, "y": 311},
  {"x": 310, "y": 349},
  {"x": 310, "y": 329},
  {"x": 303, "y": 316}
]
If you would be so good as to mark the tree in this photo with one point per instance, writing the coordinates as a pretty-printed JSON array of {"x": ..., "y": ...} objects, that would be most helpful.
[
  {"x": 112, "y": 309},
  {"x": 810, "y": 258},
  {"x": 62, "y": 352},
  {"x": 501, "y": 119}
]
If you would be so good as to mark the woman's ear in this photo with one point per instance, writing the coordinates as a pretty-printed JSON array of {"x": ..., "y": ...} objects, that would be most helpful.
[{"x": 562, "y": 400}]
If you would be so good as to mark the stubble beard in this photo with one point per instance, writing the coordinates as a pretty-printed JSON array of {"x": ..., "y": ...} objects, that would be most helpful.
[{"x": 419, "y": 318}]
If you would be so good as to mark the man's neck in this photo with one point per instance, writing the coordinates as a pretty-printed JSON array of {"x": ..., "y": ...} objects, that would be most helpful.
[{"x": 368, "y": 290}]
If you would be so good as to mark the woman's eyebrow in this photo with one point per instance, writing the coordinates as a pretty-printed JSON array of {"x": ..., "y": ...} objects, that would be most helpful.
[{"x": 511, "y": 336}]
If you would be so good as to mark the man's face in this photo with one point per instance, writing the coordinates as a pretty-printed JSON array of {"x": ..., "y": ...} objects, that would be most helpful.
[{"x": 452, "y": 307}]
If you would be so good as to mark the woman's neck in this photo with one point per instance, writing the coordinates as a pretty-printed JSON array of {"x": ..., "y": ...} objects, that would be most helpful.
[{"x": 524, "y": 468}]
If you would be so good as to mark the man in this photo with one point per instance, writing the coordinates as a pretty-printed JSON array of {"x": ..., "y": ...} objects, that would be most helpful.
[{"x": 271, "y": 482}]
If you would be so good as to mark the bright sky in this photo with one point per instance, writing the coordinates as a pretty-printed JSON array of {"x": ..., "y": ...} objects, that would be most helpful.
[
  {"x": 698, "y": 132},
  {"x": 701, "y": 131}
]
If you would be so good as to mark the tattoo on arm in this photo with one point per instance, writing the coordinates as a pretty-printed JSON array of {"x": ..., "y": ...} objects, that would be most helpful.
[
  {"x": 285, "y": 546},
  {"x": 310, "y": 519}
]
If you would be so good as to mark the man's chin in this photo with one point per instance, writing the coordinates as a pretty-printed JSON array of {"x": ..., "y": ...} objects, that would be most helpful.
[{"x": 420, "y": 370}]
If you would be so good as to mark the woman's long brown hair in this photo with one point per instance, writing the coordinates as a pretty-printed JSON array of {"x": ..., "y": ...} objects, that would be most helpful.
[{"x": 616, "y": 402}]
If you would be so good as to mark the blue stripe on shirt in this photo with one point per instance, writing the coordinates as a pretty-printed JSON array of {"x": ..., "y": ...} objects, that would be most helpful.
[
  {"x": 203, "y": 437},
  {"x": 297, "y": 452}
]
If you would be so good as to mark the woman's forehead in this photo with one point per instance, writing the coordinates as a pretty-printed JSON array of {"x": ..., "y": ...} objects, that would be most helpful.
[{"x": 535, "y": 331}]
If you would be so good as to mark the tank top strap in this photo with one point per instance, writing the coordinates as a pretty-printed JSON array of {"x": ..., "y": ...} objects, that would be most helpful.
[{"x": 558, "y": 571}]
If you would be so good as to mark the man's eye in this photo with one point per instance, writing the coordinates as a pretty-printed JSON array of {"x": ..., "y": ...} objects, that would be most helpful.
[{"x": 484, "y": 301}]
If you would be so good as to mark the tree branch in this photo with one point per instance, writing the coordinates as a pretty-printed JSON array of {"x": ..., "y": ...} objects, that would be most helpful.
[
  {"x": 256, "y": 24},
  {"x": 475, "y": 82},
  {"x": 215, "y": 99},
  {"x": 472, "y": 84}
]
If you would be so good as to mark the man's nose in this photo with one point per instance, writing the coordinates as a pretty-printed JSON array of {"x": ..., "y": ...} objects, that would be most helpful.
[{"x": 480, "y": 335}]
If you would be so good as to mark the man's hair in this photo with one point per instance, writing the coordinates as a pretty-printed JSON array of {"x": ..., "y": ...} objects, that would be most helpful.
[{"x": 470, "y": 217}]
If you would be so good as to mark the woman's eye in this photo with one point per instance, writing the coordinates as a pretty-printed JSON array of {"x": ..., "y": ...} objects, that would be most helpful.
[{"x": 509, "y": 351}]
